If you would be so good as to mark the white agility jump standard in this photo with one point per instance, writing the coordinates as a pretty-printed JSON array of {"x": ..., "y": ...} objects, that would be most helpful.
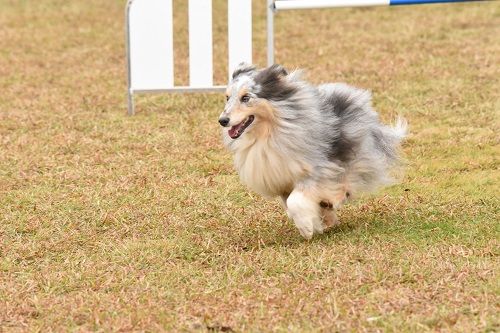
[
  {"x": 150, "y": 51},
  {"x": 150, "y": 47}
]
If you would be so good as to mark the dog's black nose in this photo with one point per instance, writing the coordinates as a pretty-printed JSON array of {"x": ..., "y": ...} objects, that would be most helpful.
[{"x": 224, "y": 121}]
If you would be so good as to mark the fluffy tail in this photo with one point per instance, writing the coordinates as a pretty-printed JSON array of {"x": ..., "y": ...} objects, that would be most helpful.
[
  {"x": 388, "y": 139},
  {"x": 400, "y": 129}
]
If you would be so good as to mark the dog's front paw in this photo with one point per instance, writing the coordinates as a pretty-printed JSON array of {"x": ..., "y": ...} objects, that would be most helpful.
[
  {"x": 305, "y": 214},
  {"x": 309, "y": 226},
  {"x": 306, "y": 233}
]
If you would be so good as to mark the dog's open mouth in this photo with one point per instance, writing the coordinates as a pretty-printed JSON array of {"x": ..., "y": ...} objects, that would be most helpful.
[{"x": 237, "y": 130}]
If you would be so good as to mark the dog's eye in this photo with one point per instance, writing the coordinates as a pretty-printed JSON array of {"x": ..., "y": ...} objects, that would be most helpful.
[
  {"x": 245, "y": 99},
  {"x": 227, "y": 98}
]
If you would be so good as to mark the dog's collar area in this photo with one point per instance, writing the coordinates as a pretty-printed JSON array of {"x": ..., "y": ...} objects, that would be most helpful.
[{"x": 237, "y": 130}]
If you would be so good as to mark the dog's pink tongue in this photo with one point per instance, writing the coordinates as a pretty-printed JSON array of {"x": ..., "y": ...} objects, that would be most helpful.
[{"x": 233, "y": 131}]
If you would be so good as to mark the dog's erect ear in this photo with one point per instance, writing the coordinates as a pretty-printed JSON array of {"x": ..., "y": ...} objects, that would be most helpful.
[
  {"x": 272, "y": 73},
  {"x": 273, "y": 84},
  {"x": 278, "y": 69},
  {"x": 243, "y": 68}
]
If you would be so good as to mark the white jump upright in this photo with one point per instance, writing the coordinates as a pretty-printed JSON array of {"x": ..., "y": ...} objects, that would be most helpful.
[
  {"x": 150, "y": 45},
  {"x": 239, "y": 32},
  {"x": 200, "y": 43},
  {"x": 150, "y": 40}
]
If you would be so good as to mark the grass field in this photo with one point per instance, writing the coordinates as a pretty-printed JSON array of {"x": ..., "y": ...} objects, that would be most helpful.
[{"x": 116, "y": 223}]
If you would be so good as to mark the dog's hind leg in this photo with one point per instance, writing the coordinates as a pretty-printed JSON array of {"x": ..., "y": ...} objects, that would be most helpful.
[
  {"x": 305, "y": 212},
  {"x": 328, "y": 215},
  {"x": 336, "y": 197}
]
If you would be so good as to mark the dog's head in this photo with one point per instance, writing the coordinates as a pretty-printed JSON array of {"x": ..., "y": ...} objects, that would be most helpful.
[{"x": 249, "y": 96}]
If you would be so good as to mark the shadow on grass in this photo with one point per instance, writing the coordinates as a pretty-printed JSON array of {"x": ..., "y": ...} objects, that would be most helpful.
[{"x": 354, "y": 227}]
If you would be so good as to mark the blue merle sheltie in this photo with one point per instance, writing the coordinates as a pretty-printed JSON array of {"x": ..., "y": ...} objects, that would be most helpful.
[{"x": 312, "y": 146}]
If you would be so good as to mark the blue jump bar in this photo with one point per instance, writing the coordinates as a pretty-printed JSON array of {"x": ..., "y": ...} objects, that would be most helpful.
[
  {"x": 310, "y": 4},
  {"x": 421, "y": 2}
]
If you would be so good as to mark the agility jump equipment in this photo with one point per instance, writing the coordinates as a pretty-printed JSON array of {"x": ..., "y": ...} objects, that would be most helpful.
[{"x": 150, "y": 49}]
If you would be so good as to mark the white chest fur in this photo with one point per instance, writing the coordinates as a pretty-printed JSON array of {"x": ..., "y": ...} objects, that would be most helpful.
[{"x": 266, "y": 170}]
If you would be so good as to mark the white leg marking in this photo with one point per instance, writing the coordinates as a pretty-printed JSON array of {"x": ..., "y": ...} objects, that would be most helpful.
[{"x": 305, "y": 213}]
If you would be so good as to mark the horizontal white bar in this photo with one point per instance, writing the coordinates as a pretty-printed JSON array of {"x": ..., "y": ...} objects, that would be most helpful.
[
  {"x": 310, "y": 4},
  {"x": 180, "y": 89}
]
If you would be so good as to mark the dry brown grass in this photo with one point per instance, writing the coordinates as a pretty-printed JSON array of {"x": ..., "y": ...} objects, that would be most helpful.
[{"x": 111, "y": 223}]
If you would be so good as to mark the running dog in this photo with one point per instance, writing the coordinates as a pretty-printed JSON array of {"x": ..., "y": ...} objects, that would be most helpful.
[{"x": 312, "y": 146}]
